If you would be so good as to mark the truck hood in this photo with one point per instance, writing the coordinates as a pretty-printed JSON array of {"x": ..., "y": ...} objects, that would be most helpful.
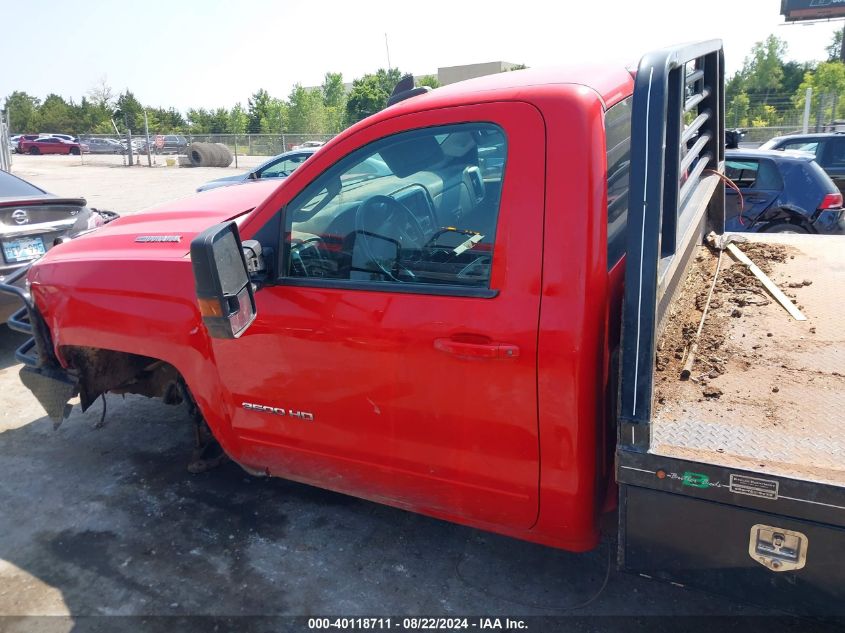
[{"x": 164, "y": 231}]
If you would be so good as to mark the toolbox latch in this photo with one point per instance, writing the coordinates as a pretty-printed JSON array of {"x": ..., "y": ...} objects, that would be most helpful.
[{"x": 777, "y": 548}]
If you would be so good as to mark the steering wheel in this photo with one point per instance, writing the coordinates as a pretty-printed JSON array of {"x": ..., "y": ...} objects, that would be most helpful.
[
  {"x": 386, "y": 218},
  {"x": 378, "y": 213}
]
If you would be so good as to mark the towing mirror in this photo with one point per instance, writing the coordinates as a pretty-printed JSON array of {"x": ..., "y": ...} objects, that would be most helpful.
[{"x": 224, "y": 291}]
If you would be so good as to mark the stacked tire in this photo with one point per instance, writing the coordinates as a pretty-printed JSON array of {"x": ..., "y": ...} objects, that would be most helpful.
[{"x": 209, "y": 155}]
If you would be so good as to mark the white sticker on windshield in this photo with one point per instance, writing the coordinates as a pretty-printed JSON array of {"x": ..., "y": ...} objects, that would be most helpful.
[{"x": 475, "y": 239}]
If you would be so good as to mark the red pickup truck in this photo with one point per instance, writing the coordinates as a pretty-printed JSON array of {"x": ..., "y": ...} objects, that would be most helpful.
[{"x": 445, "y": 334}]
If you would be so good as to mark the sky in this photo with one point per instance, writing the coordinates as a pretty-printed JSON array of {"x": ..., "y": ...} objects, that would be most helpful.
[{"x": 215, "y": 53}]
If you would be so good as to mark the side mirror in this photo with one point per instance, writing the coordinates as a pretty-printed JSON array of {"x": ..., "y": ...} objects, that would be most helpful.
[
  {"x": 224, "y": 291},
  {"x": 252, "y": 176}
]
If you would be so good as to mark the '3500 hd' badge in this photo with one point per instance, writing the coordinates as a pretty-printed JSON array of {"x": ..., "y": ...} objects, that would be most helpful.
[{"x": 289, "y": 413}]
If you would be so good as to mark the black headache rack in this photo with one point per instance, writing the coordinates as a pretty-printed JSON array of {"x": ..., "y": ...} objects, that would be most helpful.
[
  {"x": 41, "y": 373},
  {"x": 763, "y": 539}
]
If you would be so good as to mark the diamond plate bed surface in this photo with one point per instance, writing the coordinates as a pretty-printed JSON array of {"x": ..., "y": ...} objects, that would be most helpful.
[{"x": 781, "y": 407}]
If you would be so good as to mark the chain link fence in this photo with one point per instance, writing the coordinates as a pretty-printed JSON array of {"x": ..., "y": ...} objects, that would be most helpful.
[
  {"x": 756, "y": 136},
  {"x": 763, "y": 118},
  {"x": 240, "y": 144}
]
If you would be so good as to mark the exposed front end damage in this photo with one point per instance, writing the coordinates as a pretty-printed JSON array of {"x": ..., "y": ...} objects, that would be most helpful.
[
  {"x": 92, "y": 372},
  {"x": 89, "y": 372},
  {"x": 98, "y": 371}
]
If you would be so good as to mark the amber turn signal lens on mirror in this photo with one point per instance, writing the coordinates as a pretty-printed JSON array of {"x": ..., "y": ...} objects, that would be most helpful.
[{"x": 210, "y": 307}]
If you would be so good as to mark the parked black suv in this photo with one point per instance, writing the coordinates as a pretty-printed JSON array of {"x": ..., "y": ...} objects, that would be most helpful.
[
  {"x": 829, "y": 149},
  {"x": 782, "y": 192}
]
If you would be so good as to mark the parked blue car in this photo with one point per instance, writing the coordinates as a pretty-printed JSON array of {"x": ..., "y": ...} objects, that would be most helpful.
[
  {"x": 782, "y": 192},
  {"x": 280, "y": 166}
]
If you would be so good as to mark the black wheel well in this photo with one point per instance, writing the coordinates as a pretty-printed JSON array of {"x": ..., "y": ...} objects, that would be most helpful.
[
  {"x": 787, "y": 216},
  {"x": 104, "y": 370}
]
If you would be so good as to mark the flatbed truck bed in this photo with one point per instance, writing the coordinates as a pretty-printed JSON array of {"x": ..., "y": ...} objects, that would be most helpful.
[
  {"x": 767, "y": 392},
  {"x": 732, "y": 480}
]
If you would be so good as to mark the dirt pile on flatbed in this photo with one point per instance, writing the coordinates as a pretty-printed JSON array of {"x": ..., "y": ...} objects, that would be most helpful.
[{"x": 736, "y": 290}]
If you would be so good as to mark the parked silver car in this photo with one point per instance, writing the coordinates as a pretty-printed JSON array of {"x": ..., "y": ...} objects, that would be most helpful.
[
  {"x": 104, "y": 146},
  {"x": 30, "y": 222}
]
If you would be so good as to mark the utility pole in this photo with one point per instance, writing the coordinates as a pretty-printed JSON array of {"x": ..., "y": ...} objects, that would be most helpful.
[
  {"x": 128, "y": 139},
  {"x": 808, "y": 100},
  {"x": 387, "y": 47}
]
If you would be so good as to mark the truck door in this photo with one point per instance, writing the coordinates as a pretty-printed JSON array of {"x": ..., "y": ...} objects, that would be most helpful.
[{"x": 395, "y": 357}]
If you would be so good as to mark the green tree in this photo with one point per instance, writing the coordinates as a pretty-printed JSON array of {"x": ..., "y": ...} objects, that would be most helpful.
[
  {"x": 276, "y": 118},
  {"x": 429, "y": 80},
  {"x": 55, "y": 115},
  {"x": 370, "y": 93},
  {"x": 763, "y": 71},
  {"x": 334, "y": 100},
  {"x": 129, "y": 113},
  {"x": 88, "y": 115},
  {"x": 306, "y": 111},
  {"x": 333, "y": 90},
  {"x": 736, "y": 114},
  {"x": 366, "y": 98},
  {"x": 258, "y": 108},
  {"x": 23, "y": 112},
  {"x": 827, "y": 80},
  {"x": 389, "y": 78},
  {"x": 834, "y": 49},
  {"x": 198, "y": 120},
  {"x": 166, "y": 121},
  {"x": 238, "y": 119},
  {"x": 793, "y": 75}
]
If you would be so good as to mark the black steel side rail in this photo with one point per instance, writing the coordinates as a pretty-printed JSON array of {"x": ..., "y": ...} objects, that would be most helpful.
[
  {"x": 677, "y": 138},
  {"x": 7, "y": 287}
]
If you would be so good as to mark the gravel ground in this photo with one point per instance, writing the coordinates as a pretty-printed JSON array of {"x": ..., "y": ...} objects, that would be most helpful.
[
  {"x": 107, "y": 184},
  {"x": 108, "y": 521}
]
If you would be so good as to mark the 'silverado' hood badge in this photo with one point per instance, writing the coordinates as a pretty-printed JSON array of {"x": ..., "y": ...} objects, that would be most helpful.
[{"x": 158, "y": 238}]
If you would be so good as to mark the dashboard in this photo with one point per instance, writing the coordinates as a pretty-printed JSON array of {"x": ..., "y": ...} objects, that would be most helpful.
[{"x": 437, "y": 245}]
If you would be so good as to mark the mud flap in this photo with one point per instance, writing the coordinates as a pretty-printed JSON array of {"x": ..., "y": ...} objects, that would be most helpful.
[{"x": 53, "y": 388}]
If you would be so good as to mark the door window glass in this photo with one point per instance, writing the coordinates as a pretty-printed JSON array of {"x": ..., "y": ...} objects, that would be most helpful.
[
  {"x": 803, "y": 146},
  {"x": 835, "y": 154},
  {"x": 742, "y": 172},
  {"x": 753, "y": 174},
  {"x": 415, "y": 208}
]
